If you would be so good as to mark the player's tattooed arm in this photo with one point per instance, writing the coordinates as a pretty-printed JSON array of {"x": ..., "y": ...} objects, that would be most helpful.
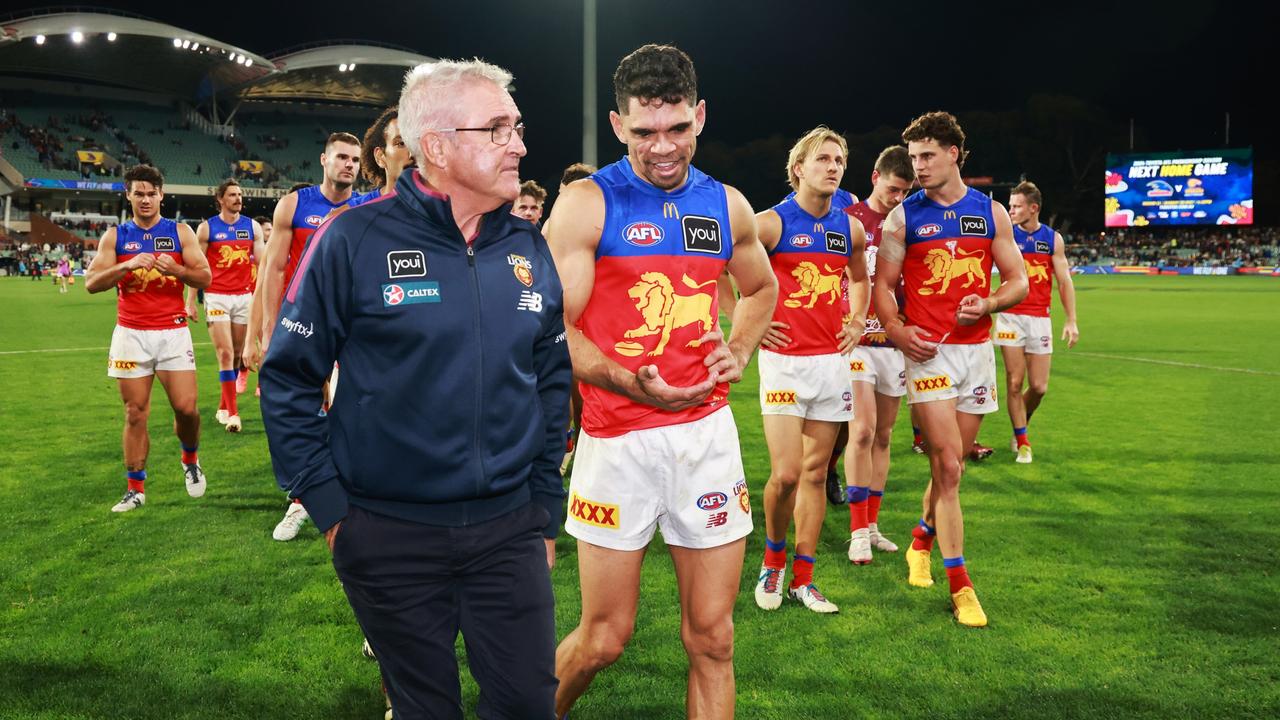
[{"x": 911, "y": 340}]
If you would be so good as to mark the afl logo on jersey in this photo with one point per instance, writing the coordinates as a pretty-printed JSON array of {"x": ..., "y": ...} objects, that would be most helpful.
[
  {"x": 929, "y": 230},
  {"x": 801, "y": 241},
  {"x": 132, "y": 246},
  {"x": 642, "y": 234},
  {"x": 314, "y": 220},
  {"x": 219, "y": 236}
]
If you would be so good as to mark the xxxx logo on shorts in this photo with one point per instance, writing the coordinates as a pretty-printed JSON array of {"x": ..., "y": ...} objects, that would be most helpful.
[
  {"x": 857, "y": 366},
  {"x": 215, "y": 312},
  {"x": 937, "y": 382},
  {"x": 1005, "y": 335},
  {"x": 591, "y": 513},
  {"x": 780, "y": 397},
  {"x": 124, "y": 364}
]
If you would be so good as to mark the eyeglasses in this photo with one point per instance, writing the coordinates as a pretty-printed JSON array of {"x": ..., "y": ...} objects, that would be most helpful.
[{"x": 500, "y": 134}]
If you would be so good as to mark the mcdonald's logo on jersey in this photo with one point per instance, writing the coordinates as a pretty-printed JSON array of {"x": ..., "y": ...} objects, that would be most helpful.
[
  {"x": 819, "y": 228},
  {"x": 948, "y": 214},
  {"x": 670, "y": 211}
]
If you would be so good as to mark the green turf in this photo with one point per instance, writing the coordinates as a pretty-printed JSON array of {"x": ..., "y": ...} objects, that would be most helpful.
[{"x": 1129, "y": 572}]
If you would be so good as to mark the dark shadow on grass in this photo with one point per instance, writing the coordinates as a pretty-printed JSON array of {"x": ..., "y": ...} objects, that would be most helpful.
[{"x": 93, "y": 690}]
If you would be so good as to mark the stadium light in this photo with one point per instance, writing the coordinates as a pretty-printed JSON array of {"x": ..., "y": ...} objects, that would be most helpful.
[
  {"x": 77, "y": 37},
  {"x": 248, "y": 62},
  {"x": 177, "y": 42},
  {"x": 352, "y": 66},
  {"x": 186, "y": 44},
  {"x": 195, "y": 46},
  {"x": 39, "y": 39},
  {"x": 342, "y": 67},
  {"x": 111, "y": 37}
]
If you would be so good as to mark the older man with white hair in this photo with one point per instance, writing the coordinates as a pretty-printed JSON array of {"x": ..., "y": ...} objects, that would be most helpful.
[{"x": 435, "y": 476}]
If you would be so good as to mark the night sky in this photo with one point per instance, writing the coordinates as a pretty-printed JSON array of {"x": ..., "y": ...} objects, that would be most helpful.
[{"x": 779, "y": 68}]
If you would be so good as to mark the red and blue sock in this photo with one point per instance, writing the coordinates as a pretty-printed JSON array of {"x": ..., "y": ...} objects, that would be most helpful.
[
  {"x": 917, "y": 434},
  {"x": 801, "y": 571},
  {"x": 924, "y": 536},
  {"x": 857, "y": 507},
  {"x": 873, "y": 506},
  {"x": 227, "y": 379},
  {"x": 1020, "y": 434},
  {"x": 189, "y": 455},
  {"x": 136, "y": 479},
  {"x": 956, "y": 574},
  {"x": 775, "y": 554}
]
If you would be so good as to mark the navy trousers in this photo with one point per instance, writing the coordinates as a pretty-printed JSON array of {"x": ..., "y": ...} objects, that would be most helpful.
[{"x": 414, "y": 587}]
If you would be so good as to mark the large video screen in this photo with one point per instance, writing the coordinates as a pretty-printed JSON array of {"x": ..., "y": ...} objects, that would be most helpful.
[{"x": 1213, "y": 187}]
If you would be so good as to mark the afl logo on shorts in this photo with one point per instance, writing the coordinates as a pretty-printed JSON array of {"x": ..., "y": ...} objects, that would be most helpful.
[
  {"x": 713, "y": 501},
  {"x": 929, "y": 230},
  {"x": 642, "y": 234},
  {"x": 132, "y": 246},
  {"x": 314, "y": 220},
  {"x": 801, "y": 241}
]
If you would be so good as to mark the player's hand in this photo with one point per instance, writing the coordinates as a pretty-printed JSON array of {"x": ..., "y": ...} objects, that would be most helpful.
[
  {"x": 721, "y": 362},
  {"x": 774, "y": 338},
  {"x": 252, "y": 354},
  {"x": 331, "y": 535},
  {"x": 551, "y": 552},
  {"x": 850, "y": 334},
  {"x": 972, "y": 308},
  {"x": 192, "y": 314},
  {"x": 911, "y": 340},
  {"x": 141, "y": 261},
  {"x": 1071, "y": 334},
  {"x": 659, "y": 394},
  {"x": 167, "y": 265}
]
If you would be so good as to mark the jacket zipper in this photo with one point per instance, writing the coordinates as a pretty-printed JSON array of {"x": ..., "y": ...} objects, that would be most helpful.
[{"x": 475, "y": 284}]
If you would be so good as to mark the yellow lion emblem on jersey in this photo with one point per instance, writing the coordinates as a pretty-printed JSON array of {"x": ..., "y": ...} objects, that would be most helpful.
[
  {"x": 813, "y": 285},
  {"x": 140, "y": 279},
  {"x": 228, "y": 256},
  {"x": 1036, "y": 272},
  {"x": 663, "y": 309},
  {"x": 944, "y": 267}
]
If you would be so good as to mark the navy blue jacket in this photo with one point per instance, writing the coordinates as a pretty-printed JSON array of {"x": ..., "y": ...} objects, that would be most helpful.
[{"x": 453, "y": 398}]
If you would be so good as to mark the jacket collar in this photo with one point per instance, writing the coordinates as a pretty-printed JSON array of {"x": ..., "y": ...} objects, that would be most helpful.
[{"x": 437, "y": 209}]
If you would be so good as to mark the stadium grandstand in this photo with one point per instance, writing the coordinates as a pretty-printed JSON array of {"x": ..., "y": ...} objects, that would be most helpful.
[{"x": 77, "y": 108}]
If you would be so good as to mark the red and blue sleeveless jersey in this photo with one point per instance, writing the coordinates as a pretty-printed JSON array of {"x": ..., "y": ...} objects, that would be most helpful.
[
  {"x": 948, "y": 257},
  {"x": 311, "y": 210},
  {"x": 1037, "y": 255},
  {"x": 872, "y": 222},
  {"x": 654, "y": 295},
  {"x": 149, "y": 299},
  {"x": 230, "y": 254},
  {"x": 809, "y": 261}
]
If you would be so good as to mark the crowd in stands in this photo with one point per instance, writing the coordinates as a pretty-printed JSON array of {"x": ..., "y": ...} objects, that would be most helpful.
[
  {"x": 1217, "y": 246},
  {"x": 38, "y": 261}
]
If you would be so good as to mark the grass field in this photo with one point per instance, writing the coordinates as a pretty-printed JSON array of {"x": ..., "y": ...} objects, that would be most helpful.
[{"x": 1131, "y": 571}]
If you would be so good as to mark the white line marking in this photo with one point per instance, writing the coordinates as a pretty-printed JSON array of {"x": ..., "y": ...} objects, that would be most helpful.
[
  {"x": 65, "y": 350},
  {"x": 1173, "y": 363}
]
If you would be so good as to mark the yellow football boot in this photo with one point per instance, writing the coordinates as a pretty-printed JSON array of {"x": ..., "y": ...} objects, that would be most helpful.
[
  {"x": 918, "y": 567},
  {"x": 967, "y": 609}
]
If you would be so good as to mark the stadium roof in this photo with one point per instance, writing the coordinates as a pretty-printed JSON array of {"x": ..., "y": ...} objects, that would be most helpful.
[
  {"x": 338, "y": 71},
  {"x": 125, "y": 50}
]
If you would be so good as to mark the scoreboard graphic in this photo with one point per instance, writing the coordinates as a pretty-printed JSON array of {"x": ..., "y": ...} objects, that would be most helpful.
[{"x": 1213, "y": 187}]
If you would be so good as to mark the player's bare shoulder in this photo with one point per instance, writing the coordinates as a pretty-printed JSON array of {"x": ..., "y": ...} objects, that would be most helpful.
[{"x": 578, "y": 214}]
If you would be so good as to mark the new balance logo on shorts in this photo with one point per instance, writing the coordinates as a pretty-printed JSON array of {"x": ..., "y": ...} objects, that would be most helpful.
[
  {"x": 780, "y": 397},
  {"x": 591, "y": 513},
  {"x": 717, "y": 520},
  {"x": 937, "y": 382}
]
